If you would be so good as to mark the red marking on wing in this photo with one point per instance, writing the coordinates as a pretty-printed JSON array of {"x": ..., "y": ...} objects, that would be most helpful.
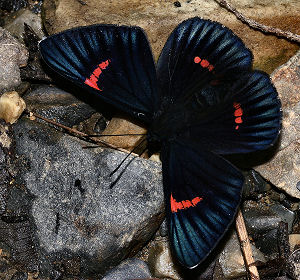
[
  {"x": 204, "y": 63},
  {"x": 197, "y": 59},
  {"x": 210, "y": 67},
  {"x": 238, "y": 120},
  {"x": 93, "y": 79},
  {"x": 92, "y": 83},
  {"x": 184, "y": 204},
  {"x": 238, "y": 113}
]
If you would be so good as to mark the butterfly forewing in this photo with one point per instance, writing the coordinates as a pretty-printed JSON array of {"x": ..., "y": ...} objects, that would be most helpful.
[
  {"x": 247, "y": 118},
  {"x": 113, "y": 62},
  {"x": 199, "y": 52},
  {"x": 202, "y": 193}
]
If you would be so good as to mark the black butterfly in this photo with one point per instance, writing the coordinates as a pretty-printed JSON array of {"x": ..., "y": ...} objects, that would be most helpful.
[{"x": 200, "y": 101}]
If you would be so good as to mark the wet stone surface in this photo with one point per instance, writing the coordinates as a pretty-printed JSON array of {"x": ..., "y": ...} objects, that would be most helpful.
[
  {"x": 12, "y": 55},
  {"x": 54, "y": 103},
  {"x": 83, "y": 216},
  {"x": 129, "y": 269},
  {"x": 283, "y": 169}
]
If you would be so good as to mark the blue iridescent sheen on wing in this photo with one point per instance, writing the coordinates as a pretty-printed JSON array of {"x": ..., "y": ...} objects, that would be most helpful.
[
  {"x": 190, "y": 173},
  {"x": 128, "y": 81}
]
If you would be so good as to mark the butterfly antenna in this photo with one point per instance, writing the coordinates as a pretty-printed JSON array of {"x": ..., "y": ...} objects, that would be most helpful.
[
  {"x": 134, "y": 149},
  {"x": 119, "y": 176}
]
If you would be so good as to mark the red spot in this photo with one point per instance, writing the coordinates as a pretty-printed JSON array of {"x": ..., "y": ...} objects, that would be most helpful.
[
  {"x": 184, "y": 204},
  {"x": 97, "y": 72},
  {"x": 204, "y": 63},
  {"x": 238, "y": 120},
  {"x": 238, "y": 112},
  {"x": 196, "y": 200},
  {"x": 197, "y": 59},
  {"x": 104, "y": 64},
  {"x": 210, "y": 67},
  {"x": 236, "y": 105},
  {"x": 92, "y": 81}
]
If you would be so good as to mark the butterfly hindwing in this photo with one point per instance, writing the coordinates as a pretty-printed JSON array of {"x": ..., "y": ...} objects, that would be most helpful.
[
  {"x": 202, "y": 193},
  {"x": 247, "y": 118},
  {"x": 113, "y": 62},
  {"x": 199, "y": 52}
]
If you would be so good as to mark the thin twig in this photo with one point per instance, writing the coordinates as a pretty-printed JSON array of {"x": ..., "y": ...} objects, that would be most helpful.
[
  {"x": 246, "y": 246},
  {"x": 259, "y": 26},
  {"x": 76, "y": 132}
]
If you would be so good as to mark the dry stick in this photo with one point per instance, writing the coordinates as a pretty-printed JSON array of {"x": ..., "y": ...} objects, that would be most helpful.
[
  {"x": 74, "y": 131},
  {"x": 246, "y": 246},
  {"x": 264, "y": 28}
]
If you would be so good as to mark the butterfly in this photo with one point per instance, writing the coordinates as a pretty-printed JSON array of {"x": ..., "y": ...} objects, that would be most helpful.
[{"x": 201, "y": 101}]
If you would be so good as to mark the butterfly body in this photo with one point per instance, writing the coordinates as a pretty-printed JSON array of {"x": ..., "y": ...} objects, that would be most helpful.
[{"x": 200, "y": 101}]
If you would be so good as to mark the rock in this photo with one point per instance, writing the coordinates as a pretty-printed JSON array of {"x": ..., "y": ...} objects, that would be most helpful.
[
  {"x": 261, "y": 218},
  {"x": 86, "y": 220},
  {"x": 254, "y": 185},
  {"x": 129, "y": 269},
  {"x": 12, "y": 56},
  {"x": 262, "y": 223},
  {"x": 33, "y": 71},
  {"x": 13, "y": 5},
  {"x": 17, "y": 233},
  {"x": 14, "y": 23},
  {"x": 293, "y": 265},
  {"x": 57, "y": 104},
  {"x": 20, "y": 276},
  {"x": 124, "y": 125},
  {"x": 285, "y": 214},
  {"x": 159, "y": 18},
  {"x": 284, "y": 169},
  {"x": 11, "y": 106},
  {"x": 6, "y": 159},
  {"x": 265, "y": 243},
  {"x": 294, "y": 240},
  {"x": 232, "y": 260},
  {"x": 160, "y": 260}
]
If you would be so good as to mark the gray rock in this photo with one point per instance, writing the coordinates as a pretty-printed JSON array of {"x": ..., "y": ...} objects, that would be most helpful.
[
  {"x": 160, "y": 260},
  {"x": 265, "y": 243},
  {"x": 293, "y": 265},
  {"x": 129, "y": 269},
  {"x": 86, "y": 220},
  {"x": 20, "y": 276},
  {"x": 284, "y": 169},
  {"x": 54, "y": 103},
  {"x": 12, "y": 56},
  {"x": 232, "y": 260},
  {"x": 14, "y": 23},
  {"x": 285, "y": 214},
  {"x": 262, "y": 223},
  {"x": 260, "y": 218},
  {"x": 13, "y": 5},
  {"x": 254, "y": 185},
  {"x": 6, "y": 158}
]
